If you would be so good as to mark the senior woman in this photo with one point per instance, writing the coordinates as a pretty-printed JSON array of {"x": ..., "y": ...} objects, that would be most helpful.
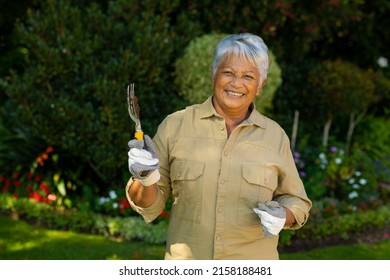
[{"x": 229, "y": 169}]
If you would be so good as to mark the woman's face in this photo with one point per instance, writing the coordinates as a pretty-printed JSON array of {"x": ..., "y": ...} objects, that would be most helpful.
[{"x": 236, "y": 84}]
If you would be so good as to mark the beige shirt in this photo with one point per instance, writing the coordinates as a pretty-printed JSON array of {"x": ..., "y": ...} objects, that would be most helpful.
[{"x": 216, "y": 182}]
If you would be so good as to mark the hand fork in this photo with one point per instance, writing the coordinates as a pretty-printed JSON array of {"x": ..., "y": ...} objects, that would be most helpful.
[{"x": 134, "y": 111}]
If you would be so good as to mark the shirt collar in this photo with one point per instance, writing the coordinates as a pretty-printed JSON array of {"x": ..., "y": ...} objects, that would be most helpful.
[{"x": 207, "y": 110}]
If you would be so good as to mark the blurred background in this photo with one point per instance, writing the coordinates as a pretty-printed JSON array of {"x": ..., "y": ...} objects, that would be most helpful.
[{"x": 64, "y": 125}]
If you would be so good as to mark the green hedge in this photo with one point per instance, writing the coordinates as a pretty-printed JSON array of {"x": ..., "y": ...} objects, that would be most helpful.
[
  {"x": 128, "y": 228},
  {"x": 134, "y": 228},
  {"x": 340, "y": 228}
]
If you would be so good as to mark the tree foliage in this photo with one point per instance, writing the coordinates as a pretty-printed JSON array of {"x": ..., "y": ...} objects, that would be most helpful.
[
  {"x": 343, "y": 89},
  {"x": 71, "y": 62},
  {"x": 79, "y": 60}
]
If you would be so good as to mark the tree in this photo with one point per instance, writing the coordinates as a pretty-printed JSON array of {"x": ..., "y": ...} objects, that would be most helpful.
[
  {"x": 78, "y": 63},
  {"x": 344, "y": 89}
]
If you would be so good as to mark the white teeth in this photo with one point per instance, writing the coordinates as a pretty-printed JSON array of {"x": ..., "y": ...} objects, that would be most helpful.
[{"x": 234, "y": 93}]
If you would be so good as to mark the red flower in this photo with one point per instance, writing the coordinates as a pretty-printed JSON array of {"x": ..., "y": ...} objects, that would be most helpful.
[
  {"x": 49, "y": 149},
  {"x": 17, "y": 183},
  {"x": 45, "y": 188},
  {"x": 37, "y": 179},
  {"x": 29, "y": 188},
  {"x": 16, "y": 175},
  {"x": 16, "y": 195},
  {"x": 123, "y": 203},
  {"x": 36, "y": 196},
  {"x": 30, "y": 175},
  {"x": 40, "y": 161}
]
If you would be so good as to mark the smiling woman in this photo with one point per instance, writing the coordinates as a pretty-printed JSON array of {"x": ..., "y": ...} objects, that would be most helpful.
[
  {"x": 238, "y": 186},
  {"x": 236, "y": 84}
]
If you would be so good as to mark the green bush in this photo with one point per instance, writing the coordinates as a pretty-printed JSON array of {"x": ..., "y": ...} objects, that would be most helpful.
[
  {"x": 340, "y": 227},
  {"x": 193, "y": 72},
  {"x": 343, "y": 183},
  {"x": 129, "y": 228},
  {"x": 134, "y": 228},
  {"x": 78, "y": 63}
]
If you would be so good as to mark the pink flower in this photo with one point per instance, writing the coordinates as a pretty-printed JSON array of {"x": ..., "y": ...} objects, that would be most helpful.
[{"x": 52, "y": 197}]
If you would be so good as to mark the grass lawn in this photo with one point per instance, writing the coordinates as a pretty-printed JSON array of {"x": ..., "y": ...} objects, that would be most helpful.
[{"x": 21, "y": 241}]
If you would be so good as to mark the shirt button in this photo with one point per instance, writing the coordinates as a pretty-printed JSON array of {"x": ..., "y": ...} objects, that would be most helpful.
[
  {"x": 222, "y": 181},
  {"x": 179, "y": 174},
  {"x": 265, "y": 181},
  {"x": 226, "y": 153},
  {"x": 222, "y": 128},
  {"x": 218, "y": 237},
  {"x": 220, "y": 210}
]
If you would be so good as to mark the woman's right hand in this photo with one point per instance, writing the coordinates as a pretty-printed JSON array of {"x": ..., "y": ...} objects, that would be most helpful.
[{"x": 143, "y": 161}]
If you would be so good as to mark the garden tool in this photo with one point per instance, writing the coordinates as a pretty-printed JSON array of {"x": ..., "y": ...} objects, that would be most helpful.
[{"x": 134, "y": 111}]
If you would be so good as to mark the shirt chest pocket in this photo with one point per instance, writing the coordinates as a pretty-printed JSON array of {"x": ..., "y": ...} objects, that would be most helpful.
[
  {"x": 258, "y": 184},
  {"x": 187, "y": 180}
]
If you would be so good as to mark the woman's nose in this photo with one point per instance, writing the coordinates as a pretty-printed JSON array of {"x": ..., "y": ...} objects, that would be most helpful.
[{"x": 236, "y": 81}]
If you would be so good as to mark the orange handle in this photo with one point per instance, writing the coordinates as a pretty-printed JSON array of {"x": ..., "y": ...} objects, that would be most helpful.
[{"x": 139, "y": 135}]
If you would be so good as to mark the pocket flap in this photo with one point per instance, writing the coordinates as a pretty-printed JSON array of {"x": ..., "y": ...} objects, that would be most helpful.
[
  {"x": 186, "y": 170},
  {"x": 260, "y": 174}
]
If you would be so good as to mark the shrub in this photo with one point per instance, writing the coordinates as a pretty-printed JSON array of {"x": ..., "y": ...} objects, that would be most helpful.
[
  {"x": 341, "y": 183},
  {"x": 134, "y": 228},
  {"x": 78, "y": 62}
]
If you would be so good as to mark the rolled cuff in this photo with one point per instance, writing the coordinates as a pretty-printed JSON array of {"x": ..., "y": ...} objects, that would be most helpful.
[
  {"x": 153, "y": 211},
  {"x": 299, "y": 208},
  {"x": 152, "y": 178}
]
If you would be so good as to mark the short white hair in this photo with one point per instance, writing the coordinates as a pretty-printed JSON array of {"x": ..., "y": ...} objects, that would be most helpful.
[{"x": 246, "y": 45}]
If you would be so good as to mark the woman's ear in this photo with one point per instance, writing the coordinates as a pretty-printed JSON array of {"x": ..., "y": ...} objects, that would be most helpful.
[{"x": 260, "y": 87}]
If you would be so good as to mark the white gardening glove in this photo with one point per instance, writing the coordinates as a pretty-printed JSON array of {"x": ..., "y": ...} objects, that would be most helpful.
[
  {"x": 272, "y": 217},
  {"x": 143, "y": 161}
]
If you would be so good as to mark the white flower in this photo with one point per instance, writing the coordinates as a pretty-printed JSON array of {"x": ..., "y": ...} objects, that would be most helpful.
[
  {"x": 112, "y": 194},
  {"x": 351, "y": 181},
  {"x": 383, "y": 61},
  {"x": 363, "y": 181},
  {"x": 353, "y": 194},
  {"x": 102, "y": 200},
  {"x": 322, "y": 156},
  {"x": 338, "y": 160},
  {"x": 356, "y": 186},
  {"x": 358, "y": 173},
  {"x": 115, "y": 205}
]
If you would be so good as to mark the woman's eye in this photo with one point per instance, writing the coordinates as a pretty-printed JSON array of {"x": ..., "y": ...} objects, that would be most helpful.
[
  {"x": 248, "y": 77},
  {"x": 228, "y": 73}
]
